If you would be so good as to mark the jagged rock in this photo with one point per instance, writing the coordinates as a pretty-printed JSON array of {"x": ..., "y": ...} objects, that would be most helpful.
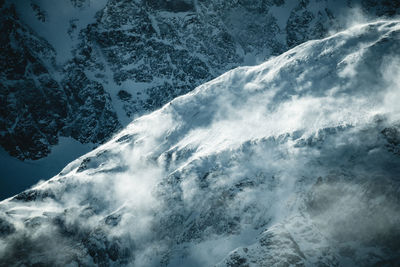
[{"x": 152, "y": 50}]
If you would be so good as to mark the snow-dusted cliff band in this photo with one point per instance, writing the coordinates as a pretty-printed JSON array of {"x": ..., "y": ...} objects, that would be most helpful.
[{"x": 292, "y": 162}]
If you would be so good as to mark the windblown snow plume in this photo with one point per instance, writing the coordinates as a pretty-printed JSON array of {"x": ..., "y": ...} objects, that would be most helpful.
[{"x": 292, "y": 162}]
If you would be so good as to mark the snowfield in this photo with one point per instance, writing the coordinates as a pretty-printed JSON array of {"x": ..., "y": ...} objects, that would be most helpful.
[{"x": 294, "y": 162}]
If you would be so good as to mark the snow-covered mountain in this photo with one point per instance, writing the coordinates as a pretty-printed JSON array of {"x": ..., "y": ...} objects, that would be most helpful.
[
  {"x": 84, "y": 69},
  {"x": 294, "y": 162},
  {"x": 78, "y": 71}
]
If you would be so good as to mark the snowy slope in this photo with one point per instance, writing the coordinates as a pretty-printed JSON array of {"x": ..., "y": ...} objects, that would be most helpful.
[
  {"x": 291, "y": 162},
  {"x": 112, "y": 61},
  {"x": 84, "y": 69}
]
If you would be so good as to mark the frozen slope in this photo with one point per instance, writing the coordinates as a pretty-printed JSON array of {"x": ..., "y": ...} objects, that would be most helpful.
[{"x": 292, "y": 162}]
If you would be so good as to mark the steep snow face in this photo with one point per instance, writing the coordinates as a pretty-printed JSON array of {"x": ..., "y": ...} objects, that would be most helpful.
[
  {"x": 104, "y": 63},
  {"x": 292, "y": 162}
]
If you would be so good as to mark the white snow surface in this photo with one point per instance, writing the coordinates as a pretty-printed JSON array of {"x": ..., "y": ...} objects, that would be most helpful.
[{"x": 234, "y": 163}]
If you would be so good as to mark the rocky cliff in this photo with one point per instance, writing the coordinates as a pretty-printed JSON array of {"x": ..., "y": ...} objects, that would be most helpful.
[{"x": 88, "y": 68}]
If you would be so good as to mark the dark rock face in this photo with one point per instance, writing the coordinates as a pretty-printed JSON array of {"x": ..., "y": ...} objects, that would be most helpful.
[
  {"x": 138, "y": 55},
  {"x": 172, "y": 6},
  {"x": 36, "y": 107},
  {"x": 381, "y": 8},
  {"x": 6, "y": 228},
  {"x": 31, "y": 100},
  {"x": 298, "y": 25},
  {"x": 92, "y": 116}
]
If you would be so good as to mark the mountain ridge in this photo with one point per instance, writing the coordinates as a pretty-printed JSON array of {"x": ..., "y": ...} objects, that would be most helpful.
[
  {"x": 294, "y": 161},
  {"x": 125, "y": 64}
]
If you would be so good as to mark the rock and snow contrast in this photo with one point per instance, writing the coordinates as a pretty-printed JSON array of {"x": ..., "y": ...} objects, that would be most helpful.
[
  {"x": 83, "y": 69},
  {"x": 294, "y": 162}
]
